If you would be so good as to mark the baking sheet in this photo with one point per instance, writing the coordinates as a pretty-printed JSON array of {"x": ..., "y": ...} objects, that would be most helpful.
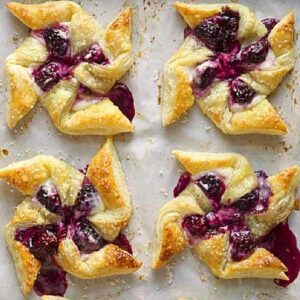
[{"x": 150, "y": 170}]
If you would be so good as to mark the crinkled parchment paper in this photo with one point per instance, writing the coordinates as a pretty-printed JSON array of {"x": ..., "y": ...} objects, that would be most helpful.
[{"x": 150, "y": 170}]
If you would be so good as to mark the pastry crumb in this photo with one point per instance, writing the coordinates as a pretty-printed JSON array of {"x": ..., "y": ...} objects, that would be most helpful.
[
  {"x": 184, "y": 119},
  {"x": 15, "y": 38},
  {"x": 156, "y": 76},
  {"x": 203, "y": 278},
  {"x": 142, "y": 278},
  {"x": 4, "y": 152},
  {"x": 164, "y": 191},
  {"x": 170, "y": 274}
]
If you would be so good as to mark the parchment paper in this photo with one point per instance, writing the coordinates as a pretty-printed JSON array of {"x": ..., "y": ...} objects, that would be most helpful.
[{"x": 150, "y": 170}]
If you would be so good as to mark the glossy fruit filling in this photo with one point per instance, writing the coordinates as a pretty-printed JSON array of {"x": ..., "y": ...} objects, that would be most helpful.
[
  {"x": 212, "y": 185},
  {"x": 43, "y": 240},
  {"x": 182, "y": 183},
  {"x": 50, "y": 73},
  {"x": 60, "y": 65},
  {"x": 231, "y": 219},
  {"x": 241, "y": 93},
  {"x": 219, "y": 34},
  {"x": 86, "y": 238},
  {"x": 242, "y": 244},
  {"x": 254, "y": 53},
  {"x": 270, "y": 23},
  {"x": 51, "y": 279},
  {"x": 119, "y": 95},
  {"x": 57, "y": 40},
  {"x": 282, "y": 242}
]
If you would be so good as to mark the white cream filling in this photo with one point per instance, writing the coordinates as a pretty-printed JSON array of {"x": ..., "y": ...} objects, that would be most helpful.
[
  {"x": 82, "y": 104},
  {"x": 269, "y": 62},
  {"x": 49, "y": 187},
  {"x": 202, "y": 67}
]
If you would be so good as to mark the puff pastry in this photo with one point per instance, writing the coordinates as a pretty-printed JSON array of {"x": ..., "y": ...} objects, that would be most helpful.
[
  {"x": 229, "y": 63},
  {"x": 233, "y": 218},
  {"x": 69, "y": 221},
  {"x": 72, "y": 66}
]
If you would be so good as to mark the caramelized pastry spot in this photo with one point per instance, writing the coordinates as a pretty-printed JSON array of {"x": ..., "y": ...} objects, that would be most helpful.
[
  {"x": 173, "y": 243},
  {"x": 30, "y": 264},
  {"x": 119, "y": 258}
]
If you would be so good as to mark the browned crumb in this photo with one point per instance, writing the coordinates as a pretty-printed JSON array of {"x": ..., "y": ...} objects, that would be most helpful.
[
  {"x": 4, "y": 152},
  {"x": 15, "y": 38},
  {"x": 142, "y": 278},
  {"x": 159, "y": 94},
  {"x": 297, "y": 204}
]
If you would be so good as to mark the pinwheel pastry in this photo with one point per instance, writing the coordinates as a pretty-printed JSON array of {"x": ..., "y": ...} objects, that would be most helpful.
[
  {"x": 233, "y": 218},
  {"x": 69, "y": 221},
  {"x": 229, "y": 63},
  {"x": 72, "y": 66}
]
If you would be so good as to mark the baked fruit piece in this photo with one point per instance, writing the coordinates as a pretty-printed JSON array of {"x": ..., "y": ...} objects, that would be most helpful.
[
  {"x": 229, "y": 63},
  {"x": 69, "y": 221},
  {"x": 233, "y": 218},
  {"x": 72, "y": 66}
]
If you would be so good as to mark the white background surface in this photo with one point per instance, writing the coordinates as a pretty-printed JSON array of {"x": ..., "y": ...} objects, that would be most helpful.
[{"x": 150, "y": 171}]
